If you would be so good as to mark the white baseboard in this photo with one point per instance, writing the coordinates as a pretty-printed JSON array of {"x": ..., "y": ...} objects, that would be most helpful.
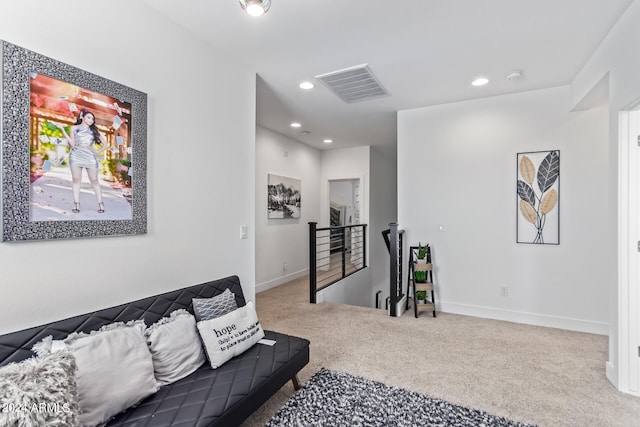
[
  {"x": 281, "y": 280},
  {"x": 578, "y": 325},
  {"x": 612, "y": 374},
  {"x": 400, "y": 306},
  {"x": 622, "y": 386}
]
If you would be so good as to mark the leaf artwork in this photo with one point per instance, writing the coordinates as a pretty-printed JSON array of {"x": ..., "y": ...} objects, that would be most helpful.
[
  {"x": 528, "y": 212},
  {"x": 548, "y": 201},
  {"x": 535, "y": 206},
  {"x": 527, "y": 169},
  {"x": 548, "y": 171},
  {"x": 526, "y": 193}
]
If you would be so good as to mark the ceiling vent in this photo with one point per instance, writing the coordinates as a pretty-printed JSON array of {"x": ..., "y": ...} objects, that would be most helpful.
[{"x": 353, "y": 84}]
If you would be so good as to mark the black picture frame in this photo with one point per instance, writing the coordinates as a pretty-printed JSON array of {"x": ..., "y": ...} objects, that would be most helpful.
[{"x": 538, "y": 197}]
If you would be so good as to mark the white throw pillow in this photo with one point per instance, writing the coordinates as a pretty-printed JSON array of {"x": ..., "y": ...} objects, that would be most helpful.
[
  {"x": 115, "y": 369},
  {"x": 230, "y": 335},
  {"x": 175, "y": 346}
]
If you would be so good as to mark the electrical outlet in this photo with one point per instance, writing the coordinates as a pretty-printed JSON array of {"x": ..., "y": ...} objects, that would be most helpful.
[
  {"x": 284, "y": 266},
  {"x": 504, "y": 291}
]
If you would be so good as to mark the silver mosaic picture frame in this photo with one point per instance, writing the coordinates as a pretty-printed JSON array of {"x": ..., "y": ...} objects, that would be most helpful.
[{"x": 18, "y": 64}]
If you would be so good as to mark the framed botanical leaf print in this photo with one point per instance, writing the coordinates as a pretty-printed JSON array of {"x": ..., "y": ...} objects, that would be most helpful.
[{"x": 538, "y": 189}]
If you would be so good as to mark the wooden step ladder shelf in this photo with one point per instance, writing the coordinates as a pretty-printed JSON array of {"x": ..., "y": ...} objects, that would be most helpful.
[{"x": 415, "y": 286}]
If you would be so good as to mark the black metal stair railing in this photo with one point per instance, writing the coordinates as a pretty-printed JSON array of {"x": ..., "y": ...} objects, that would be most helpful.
[
  {"x": 393, "y": 238},
  {"x": 335, "y": 253}
]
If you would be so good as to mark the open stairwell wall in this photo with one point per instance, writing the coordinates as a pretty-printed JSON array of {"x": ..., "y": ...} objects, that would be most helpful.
[{"x": 279, "y": 241}]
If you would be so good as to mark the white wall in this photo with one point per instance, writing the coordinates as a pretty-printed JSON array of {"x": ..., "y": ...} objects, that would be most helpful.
[
  {"x": 200, "y": 164},
  {"x": 457, "y": 168},
  {"x": 617, "y": 59},
  {"x": 383, "y": 211},
  {"x": 353, "y": 290},
  {"x": 347, "y": 163},
  {"x": 280, "y": 241}
]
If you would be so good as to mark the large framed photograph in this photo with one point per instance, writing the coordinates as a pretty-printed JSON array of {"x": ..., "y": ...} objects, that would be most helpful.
[
  {"x": 538, "y": 186},
  {"x": 283, "y": 197},
  {"x": 73, "y": 151}
]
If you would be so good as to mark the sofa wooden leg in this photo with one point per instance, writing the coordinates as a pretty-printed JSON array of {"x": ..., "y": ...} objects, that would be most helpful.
[{"x": 296, "y": 382}]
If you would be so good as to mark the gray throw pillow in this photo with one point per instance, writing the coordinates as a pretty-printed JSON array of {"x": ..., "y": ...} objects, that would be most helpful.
[
  {"x": 175, "y": 347},
  {"x": 40, "y": 391},
  {"x": 115, "y": 369},
  {"x": 210, "y": 308}
]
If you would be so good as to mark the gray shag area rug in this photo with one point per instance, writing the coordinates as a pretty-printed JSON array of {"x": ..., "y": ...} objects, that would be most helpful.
[{"x": 337, "y": 399}]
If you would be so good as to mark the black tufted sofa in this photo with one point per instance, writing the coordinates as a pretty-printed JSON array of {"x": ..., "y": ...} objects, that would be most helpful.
[{"x": 209, "y": 397}]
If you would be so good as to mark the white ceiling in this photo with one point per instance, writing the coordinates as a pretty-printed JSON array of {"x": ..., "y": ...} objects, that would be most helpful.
[{"x": 424, "y": 52}]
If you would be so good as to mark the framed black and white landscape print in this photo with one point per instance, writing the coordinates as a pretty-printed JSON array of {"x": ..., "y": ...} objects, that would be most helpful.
[
  {"x": 283, "y": 197},
  {"x": 538, "y": 187}
]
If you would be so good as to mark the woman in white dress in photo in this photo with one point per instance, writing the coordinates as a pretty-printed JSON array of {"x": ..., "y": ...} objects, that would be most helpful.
[{"x": 83, "y": 155}]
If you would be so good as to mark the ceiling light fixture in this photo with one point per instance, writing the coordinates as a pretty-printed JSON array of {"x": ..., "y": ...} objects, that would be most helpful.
[
  {"x": 480, "y": 81},
  {"x": 295, "y": 125},
  {"x": 255, "y": 7},
  {"x": 328, "y": 141},
  {"x": 307, "y": 85}
]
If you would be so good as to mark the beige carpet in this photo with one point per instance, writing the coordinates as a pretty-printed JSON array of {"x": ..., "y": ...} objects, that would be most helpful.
[{"x": 531, "y": 374}]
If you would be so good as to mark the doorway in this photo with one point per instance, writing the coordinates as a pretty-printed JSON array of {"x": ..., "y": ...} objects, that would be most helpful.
[
  {"x": 344, "y": 202},
  {"x": 344, "y": 210},
  {"x": 629, "y": 250}
]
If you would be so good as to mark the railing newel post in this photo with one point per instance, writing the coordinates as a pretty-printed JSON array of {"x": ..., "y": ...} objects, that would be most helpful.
[
  {"x": 364, "y": 245},
  {"x": 393, "y": 268},
  {"x": 343, "y": 235},
  {"x": 312, "y": 262}
]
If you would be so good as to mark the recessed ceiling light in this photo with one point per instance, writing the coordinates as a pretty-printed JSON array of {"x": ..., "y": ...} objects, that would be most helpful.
[
  {"x": 306, "y": 85},
  {"x": 480, "y": 81},
  {"x": 295, "y": 125},
  {"x": 328, "y": 141}
]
